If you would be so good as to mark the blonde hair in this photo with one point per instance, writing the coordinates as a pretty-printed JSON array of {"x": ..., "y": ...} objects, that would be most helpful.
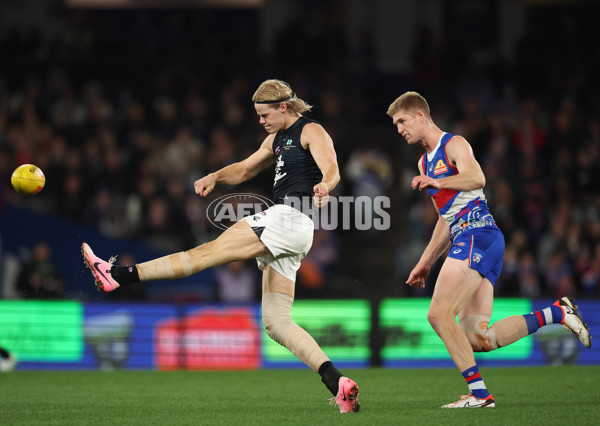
[
  {"x": 409, "y": 102},
  {"x": 273, "y": 92}
]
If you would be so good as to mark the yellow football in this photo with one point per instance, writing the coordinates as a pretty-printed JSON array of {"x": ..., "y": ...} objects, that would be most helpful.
[{"x": 28, "y": 179}]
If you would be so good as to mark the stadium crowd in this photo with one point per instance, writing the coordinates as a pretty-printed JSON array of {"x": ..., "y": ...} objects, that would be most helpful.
[{"x": 124, "y": 115}]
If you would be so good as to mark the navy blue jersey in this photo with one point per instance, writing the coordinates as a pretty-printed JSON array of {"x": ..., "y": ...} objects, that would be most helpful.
[{"x": 296, "y": 172}]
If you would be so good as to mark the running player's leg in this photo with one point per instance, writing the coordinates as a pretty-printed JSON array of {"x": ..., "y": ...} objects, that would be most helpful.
[
  {"x": 475, "y": 318},
  {"x": 277, "y": 300},
  {"x": 455, "y": 287},
  {"x": 237, "y": 243}
]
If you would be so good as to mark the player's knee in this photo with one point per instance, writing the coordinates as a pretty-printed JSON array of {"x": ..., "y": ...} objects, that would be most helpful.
[
  {"x": 274, "y": 332},
  {"x": 275, "y": 328},
  {"x": 276, "y": 315},
  {"x": 485, "y": 344},
  {"x": 432, "y": 318},
  {"x": 481, "y": 338},
  {"x": 439, "y": 317},
  {"x": 480, "y": 342}
]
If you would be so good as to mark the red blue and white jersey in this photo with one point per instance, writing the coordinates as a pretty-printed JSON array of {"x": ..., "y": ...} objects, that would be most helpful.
[{"x": 460, "y": 209}]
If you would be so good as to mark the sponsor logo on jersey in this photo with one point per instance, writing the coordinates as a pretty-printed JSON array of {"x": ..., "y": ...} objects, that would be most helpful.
[
  {"x": 288, "y": 144},
  {"x": 456, "y": 251},
  {"x": 476, "y": 257},
  {"x": 440, "y": 168}
]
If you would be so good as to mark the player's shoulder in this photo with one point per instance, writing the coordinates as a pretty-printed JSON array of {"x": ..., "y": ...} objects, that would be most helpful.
[
  {"x": 313, "y": 132},
  {"x": 457, "y": 139},
  {"x": 268, "y": 142},
  {"x": 457, "y": 143},
  {"x": 313, "y": 127}
]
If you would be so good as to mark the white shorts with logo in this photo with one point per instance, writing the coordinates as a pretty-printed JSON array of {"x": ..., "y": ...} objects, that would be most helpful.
[{"x": 287, "y": 233}]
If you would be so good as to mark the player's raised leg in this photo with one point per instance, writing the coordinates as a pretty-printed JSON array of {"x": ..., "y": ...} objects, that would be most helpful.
[
  {"x": 572, "y": 320},
  {"x": 237, "y": 243},
  {"x": 101, "y": 269},
  {"x": 475, "y": 319},
  {"x": 277, "y": 300}
]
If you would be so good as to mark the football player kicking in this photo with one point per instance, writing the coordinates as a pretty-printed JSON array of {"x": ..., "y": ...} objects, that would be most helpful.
[{"x": 306, "y": 171}]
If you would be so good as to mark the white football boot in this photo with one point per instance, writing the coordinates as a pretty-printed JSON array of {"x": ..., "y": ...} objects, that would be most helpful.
[{"x": 573, "y": 322}]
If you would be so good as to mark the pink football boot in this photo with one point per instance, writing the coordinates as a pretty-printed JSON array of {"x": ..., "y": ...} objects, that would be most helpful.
[
  {"x": 347, "y": 396},
  {"x": 100, "y": 269}
]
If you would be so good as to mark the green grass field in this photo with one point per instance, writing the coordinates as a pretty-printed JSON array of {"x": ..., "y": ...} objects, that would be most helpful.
[{"x": 524, "y": 396}]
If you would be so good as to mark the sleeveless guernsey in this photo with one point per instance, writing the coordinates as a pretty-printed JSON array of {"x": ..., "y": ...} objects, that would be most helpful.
[
  {"x": 461, "y": 209},
  {"x": 296, "y": 172}
]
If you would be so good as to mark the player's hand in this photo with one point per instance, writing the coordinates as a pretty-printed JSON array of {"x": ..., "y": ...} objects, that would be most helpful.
[
  {"x": 423, "y": 182},
  {"x": 321, "y": 196},
  {"x": 204, "y": 186},
  {"x": 418, "y": 276}
]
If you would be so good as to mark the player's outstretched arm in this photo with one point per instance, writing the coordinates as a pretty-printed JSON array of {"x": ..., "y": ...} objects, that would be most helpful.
[{"x": 239, "y": 172}]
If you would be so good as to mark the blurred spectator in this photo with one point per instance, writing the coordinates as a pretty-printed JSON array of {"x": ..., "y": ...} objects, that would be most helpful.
[
  {"x": 589, "y": 269},
  {"x": 556, "y": 270},
  {"x": 529, "y": 281},
  {"x": 369, "y": 169},
  {"x": 162, "y": 228},
  {"x": 237, "y": 282},
  {"x": 508, "y": 283},
  {"x": 39, "y": 278},
  {"x": 314, "y": 275},
  {"x": 121, "y": 148},
  {"x": 72, "y": 199},
  {"x": 130, "y": 292}
]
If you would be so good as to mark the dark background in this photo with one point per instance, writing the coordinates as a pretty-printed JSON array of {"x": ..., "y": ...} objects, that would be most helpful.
[{"x": 124, "y": 107}]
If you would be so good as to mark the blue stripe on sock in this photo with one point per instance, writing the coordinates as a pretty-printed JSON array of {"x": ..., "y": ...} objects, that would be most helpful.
[
  {"x": 557, "y": 314},
  {"x": 470, "y": 372},
  {"x": 477, "y": 393},
  {"x": 480, "y": 393},
  {"x": 532, "y": 323}
]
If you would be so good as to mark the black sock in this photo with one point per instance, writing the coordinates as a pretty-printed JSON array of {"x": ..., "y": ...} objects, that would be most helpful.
[
  {"x": 4, "y": 354},
  {"x": 125, "y": 274},
  {"x": 330, "y": 376}
]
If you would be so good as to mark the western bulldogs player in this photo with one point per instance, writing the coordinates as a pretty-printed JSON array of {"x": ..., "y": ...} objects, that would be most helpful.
[{"x": 464, "y": 288}]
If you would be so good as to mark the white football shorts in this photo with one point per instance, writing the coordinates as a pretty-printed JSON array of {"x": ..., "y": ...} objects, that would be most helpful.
[{"x": 287, "y": 233}]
